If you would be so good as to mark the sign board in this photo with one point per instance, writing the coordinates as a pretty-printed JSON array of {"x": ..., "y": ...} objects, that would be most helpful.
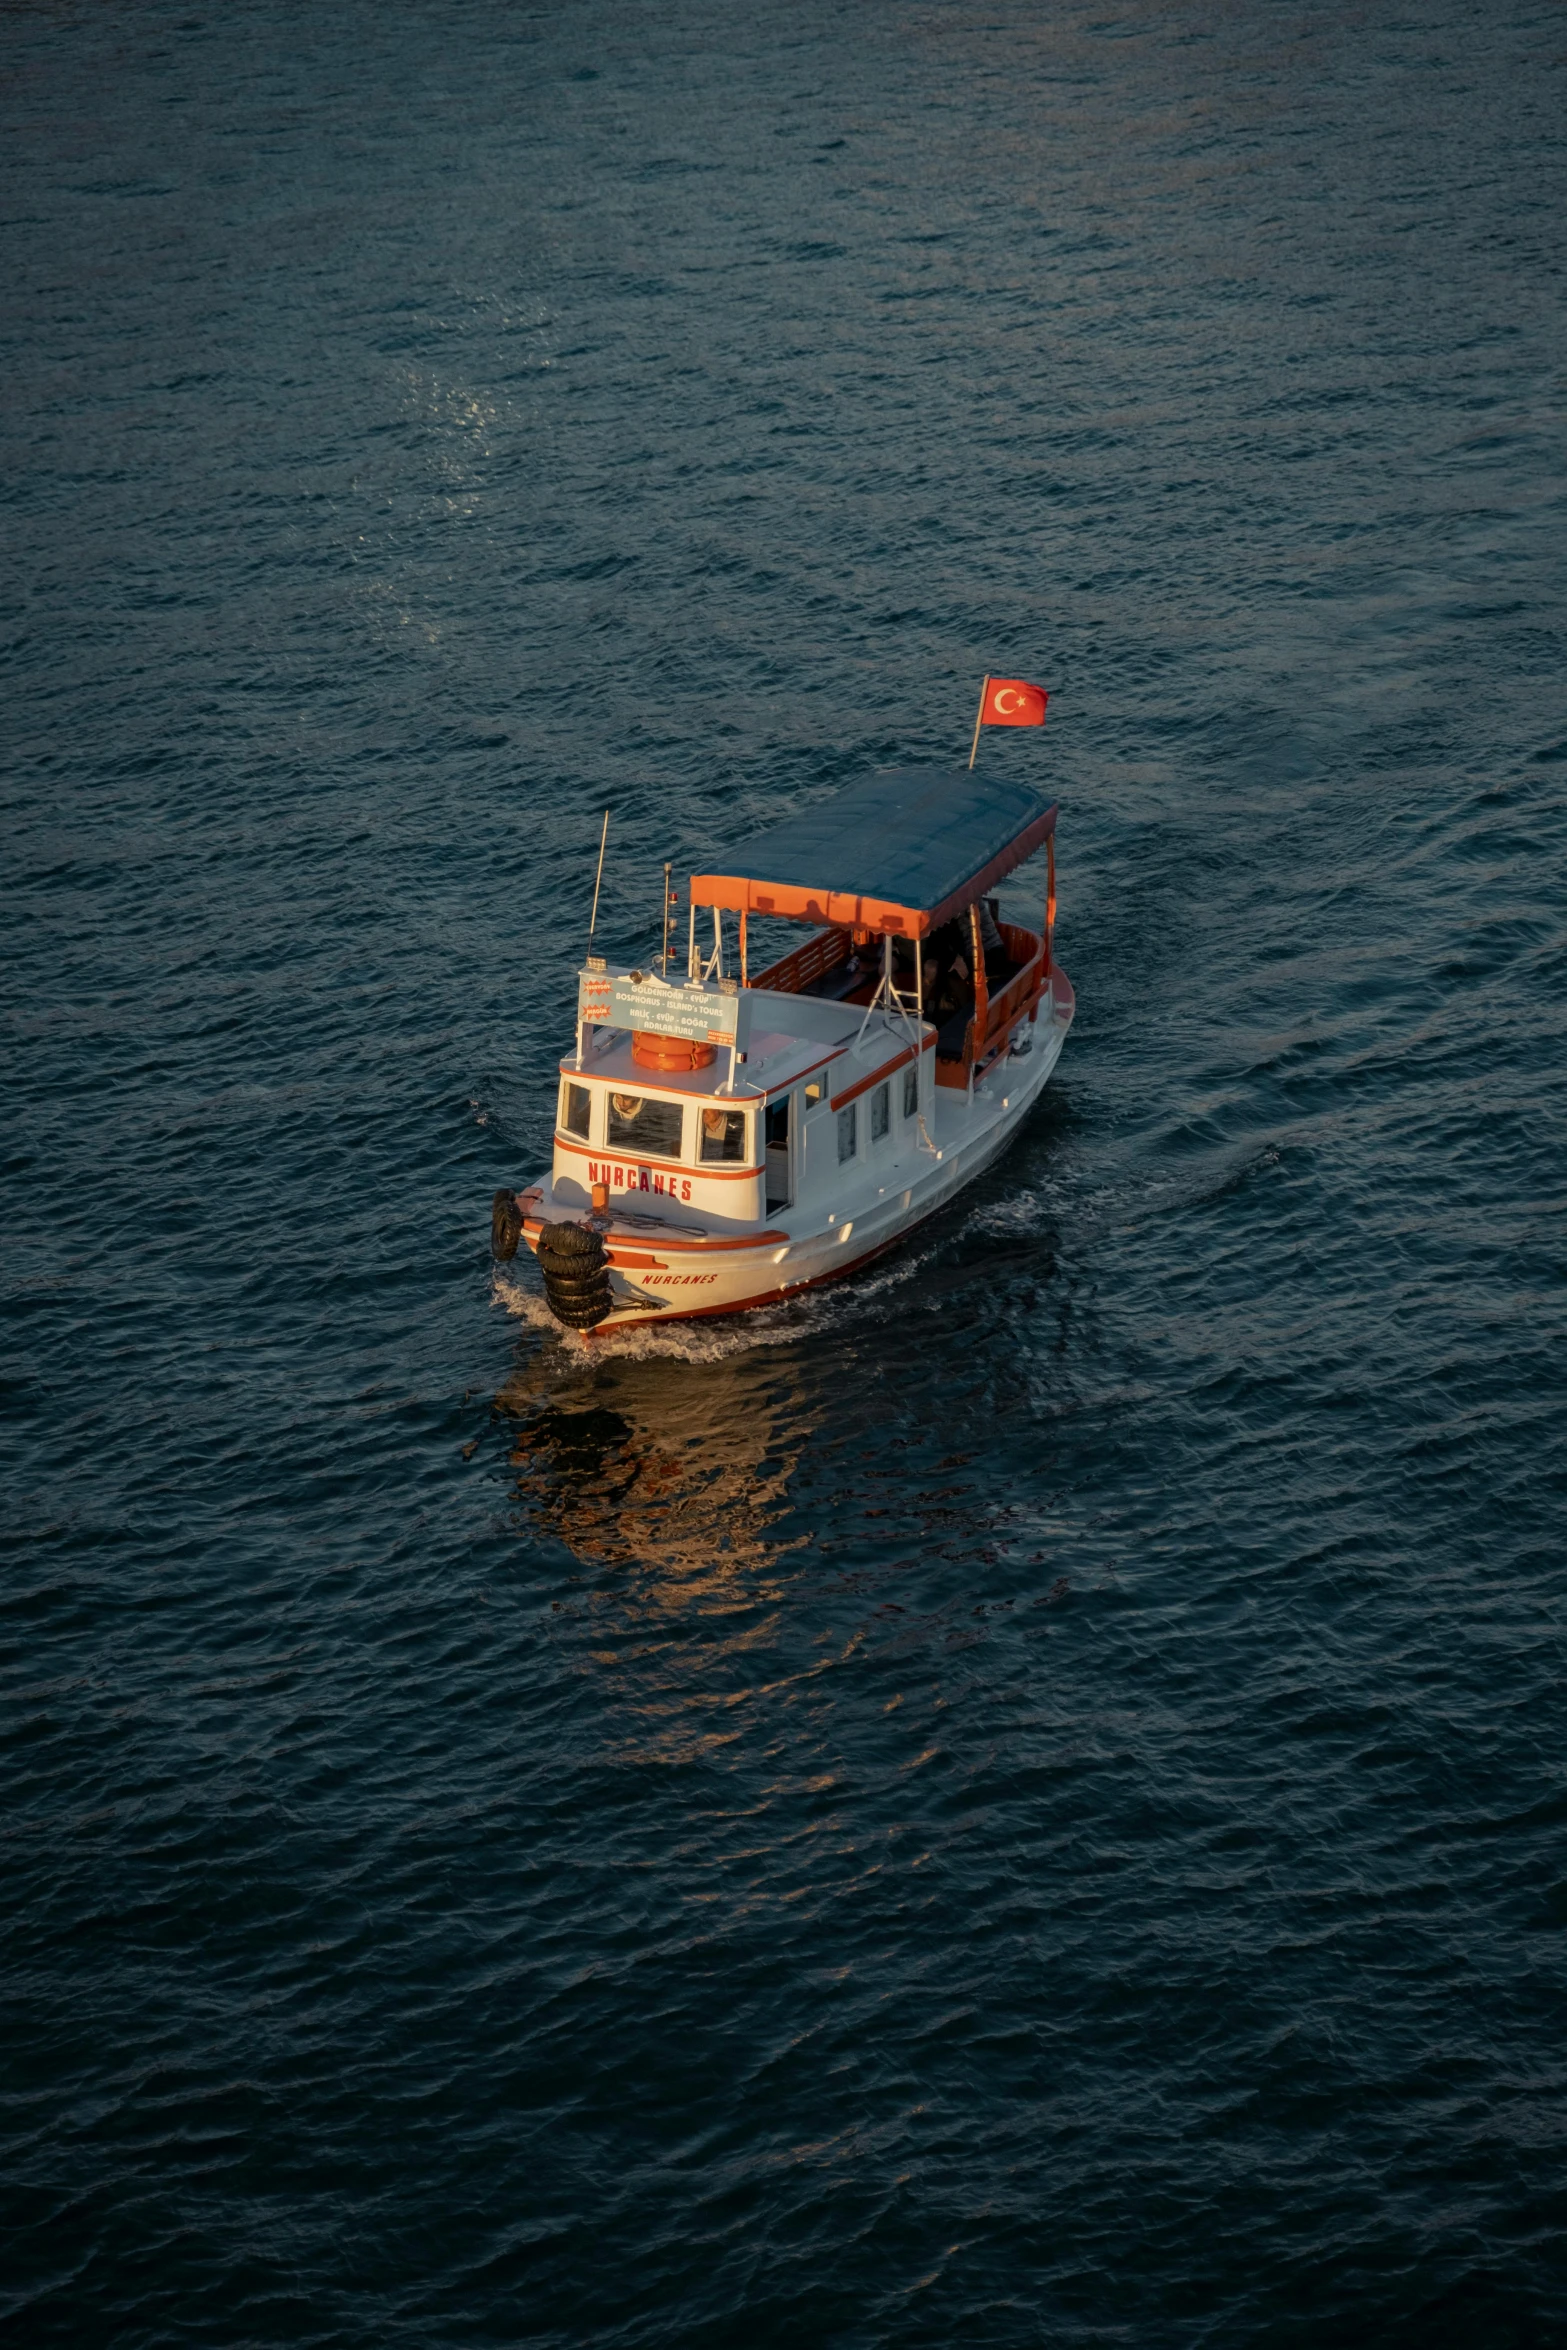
[{"x": 698, "y": 1015}]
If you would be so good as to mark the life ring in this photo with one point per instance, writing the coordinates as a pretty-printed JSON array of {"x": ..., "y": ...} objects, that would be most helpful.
[{"x": 651, "y": 1051}]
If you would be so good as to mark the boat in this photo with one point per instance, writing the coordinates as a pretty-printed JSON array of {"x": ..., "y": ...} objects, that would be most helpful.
[{"x": 726, "y": 1139}]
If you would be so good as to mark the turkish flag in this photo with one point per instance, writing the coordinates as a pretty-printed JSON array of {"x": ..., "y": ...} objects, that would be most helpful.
[{"x": 1009, "y": 702}]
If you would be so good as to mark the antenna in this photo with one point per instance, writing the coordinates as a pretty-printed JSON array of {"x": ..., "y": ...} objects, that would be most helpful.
[
  {"x": 663, "y": 960},
  {"x": 597, "y": 878}
]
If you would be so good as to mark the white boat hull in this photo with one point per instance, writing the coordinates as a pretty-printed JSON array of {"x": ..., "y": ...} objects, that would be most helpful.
[{"x": 660, "y": 1274}]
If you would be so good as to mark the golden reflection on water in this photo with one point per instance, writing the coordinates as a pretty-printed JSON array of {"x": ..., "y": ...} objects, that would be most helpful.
[{"x": 678, "y": 1466}]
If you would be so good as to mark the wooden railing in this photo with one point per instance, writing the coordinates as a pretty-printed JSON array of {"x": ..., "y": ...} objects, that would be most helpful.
[
  {"x": 982, "y": 1040},
  {"x": 795, "y": 972},
  {"x": 1009, "y": 1004}
]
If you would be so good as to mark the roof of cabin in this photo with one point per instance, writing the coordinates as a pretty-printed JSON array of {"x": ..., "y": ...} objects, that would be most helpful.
[
  {"x": 775, "y": 1055},
  {"x": 903, "y": 851}
]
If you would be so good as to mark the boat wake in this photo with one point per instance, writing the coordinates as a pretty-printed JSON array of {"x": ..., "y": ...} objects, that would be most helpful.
[{"x": 816, "y": 1313}]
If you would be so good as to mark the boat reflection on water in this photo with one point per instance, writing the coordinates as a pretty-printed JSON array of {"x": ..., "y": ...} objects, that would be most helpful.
[{"x": 678, "y": 1465}]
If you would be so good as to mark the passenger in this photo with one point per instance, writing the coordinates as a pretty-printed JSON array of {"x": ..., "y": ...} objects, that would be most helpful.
[
  {"x": 723, "y": 1134},
  {"x": 956, "y": 993},
  {"x": 953, "y": 990}
]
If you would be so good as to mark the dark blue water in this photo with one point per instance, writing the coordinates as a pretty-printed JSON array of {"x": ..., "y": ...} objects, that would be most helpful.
[{"x": 1021, "y": 1801}]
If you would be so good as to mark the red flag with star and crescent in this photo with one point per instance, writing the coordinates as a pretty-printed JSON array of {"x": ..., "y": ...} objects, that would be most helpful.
[{"x": 1010, "y": 702}]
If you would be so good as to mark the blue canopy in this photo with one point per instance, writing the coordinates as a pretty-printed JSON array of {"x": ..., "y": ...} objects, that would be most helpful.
[{"x": 900, "y": 852}]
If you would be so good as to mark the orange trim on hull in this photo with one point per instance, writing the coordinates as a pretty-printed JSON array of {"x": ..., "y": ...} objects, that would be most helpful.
[
  {"x": 532, "y": 1227},
  {"x": 890, "y": 1068},
  {"x": 767, "y": 1297}
]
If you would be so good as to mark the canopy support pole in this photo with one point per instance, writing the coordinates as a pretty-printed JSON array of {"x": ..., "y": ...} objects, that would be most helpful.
[
  {"x": 981, "y": 1020},
  {"x": 885, "y": 996},
  {"x": 1050, "y": 904}
]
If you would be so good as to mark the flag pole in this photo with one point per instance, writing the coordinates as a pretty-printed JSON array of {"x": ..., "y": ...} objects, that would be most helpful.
[{"x": 979, "y": 720}]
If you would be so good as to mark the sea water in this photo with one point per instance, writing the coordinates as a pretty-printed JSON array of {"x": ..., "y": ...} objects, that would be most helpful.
[{"x": 1019, "y": 1800}]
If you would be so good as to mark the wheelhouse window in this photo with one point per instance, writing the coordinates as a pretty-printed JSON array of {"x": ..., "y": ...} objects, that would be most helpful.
[
  {"x": 846, "y": 1123},
  {"x": 723, "y": 1135},
  {"x": 638, "y": 1123},
  {"x": 816, "y": 1090},
  {"x": 576, "y": 1109},
  {"x": 881, "y": 1112},
  {"x": 911, "y": 1090}
]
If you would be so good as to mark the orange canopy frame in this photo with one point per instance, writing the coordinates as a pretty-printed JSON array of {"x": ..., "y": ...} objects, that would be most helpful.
[{"x": 899, "y": 853}]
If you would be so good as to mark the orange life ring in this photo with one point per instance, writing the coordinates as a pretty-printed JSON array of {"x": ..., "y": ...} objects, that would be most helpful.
[{"x": 651, "y": 1051}]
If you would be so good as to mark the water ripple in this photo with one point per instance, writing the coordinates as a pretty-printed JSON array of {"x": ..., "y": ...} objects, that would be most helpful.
[{"x": 1015, "y": 1799}]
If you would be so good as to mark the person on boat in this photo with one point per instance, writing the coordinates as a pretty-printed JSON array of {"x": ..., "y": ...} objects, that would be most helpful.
[
  {"x": 956, "y": 992},
  {"x": 948, "y": 970},
  {"x": 723, "y": 1134},
  {"x": 950, "y": 988}
]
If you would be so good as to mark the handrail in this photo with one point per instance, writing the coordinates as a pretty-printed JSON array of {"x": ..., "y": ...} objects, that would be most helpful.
[
  {"x": 1021, "y": 990},
  {"x": 793, "y": 973}
]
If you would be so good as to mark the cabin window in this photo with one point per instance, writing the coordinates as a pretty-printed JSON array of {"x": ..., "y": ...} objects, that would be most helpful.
[
  {"x": 816, "y": 1090},
  {"x": 911, "y": 1090},
  {"x": 881, "y": 1112},
  {"x": 648, "y": 1128},
  {"x": 576, "y": 1109},
  {"x": 846, "y": 1132},
  {"x": 723, "y": 1134}
]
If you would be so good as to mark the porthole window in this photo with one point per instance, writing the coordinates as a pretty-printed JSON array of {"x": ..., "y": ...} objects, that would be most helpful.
[
  {"x": 648, "y": 1128},
  {"x": 846, "y": 1132},
  {"x": 881, "y": 1112},
  {"x": 723, "y": 1134},
  {"x": 576, "y": 1109}
]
